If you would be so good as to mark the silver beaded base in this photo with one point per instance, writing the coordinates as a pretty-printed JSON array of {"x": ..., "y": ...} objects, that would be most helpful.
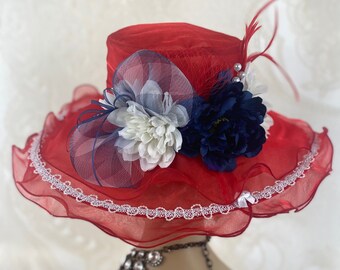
[{"x": 141, "y": 259}]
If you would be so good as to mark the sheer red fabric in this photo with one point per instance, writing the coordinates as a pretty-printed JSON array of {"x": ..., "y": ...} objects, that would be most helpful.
[
  {"x": 200, "y": 54},
  {"x": 185, "y": 183}
]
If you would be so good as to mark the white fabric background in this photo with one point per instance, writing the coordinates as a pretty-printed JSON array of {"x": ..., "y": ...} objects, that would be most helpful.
[{"x": 49, "y": 47}]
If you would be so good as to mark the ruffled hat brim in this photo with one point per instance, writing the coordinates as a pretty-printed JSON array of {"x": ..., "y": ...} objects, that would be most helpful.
[{"x": 184, "y": 199}]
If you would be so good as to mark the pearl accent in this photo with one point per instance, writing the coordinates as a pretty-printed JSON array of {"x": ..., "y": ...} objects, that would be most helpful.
[
  {"x": 236, "y": 79},
  {"x": 241, "y": 75},
  {"x": 237, "y": 67}
]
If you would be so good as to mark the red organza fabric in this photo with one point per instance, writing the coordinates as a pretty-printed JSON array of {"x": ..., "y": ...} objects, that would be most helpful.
[
  {"x": 185, "y": 183},
  {"x": 200, "y": 54}
]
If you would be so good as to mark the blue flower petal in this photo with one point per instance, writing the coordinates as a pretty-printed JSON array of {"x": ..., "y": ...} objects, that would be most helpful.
[{"x": 225, "y": 127}]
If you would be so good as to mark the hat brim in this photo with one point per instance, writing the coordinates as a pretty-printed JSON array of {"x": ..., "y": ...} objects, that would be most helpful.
[{"x": 184, "y": 199}]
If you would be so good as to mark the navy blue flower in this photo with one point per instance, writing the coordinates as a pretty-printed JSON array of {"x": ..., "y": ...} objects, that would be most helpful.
[{"x": 224, "y": 127}]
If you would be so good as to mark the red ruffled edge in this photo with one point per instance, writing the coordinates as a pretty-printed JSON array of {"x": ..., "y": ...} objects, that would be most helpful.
[{"x": 143, "y": 232}]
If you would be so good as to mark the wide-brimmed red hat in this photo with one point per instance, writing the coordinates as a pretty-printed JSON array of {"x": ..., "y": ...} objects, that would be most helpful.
[{"x": 180, "y": 142}]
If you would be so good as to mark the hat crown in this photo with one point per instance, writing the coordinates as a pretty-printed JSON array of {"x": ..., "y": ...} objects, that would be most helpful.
[{"x": 198, "y": 52}]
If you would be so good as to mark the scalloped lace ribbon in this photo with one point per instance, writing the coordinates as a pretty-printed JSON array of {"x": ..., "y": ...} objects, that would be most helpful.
[{"x": 196, "y": 210}]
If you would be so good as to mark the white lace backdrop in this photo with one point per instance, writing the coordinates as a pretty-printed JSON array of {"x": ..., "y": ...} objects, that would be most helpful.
[{"x": 49, "y": 47}]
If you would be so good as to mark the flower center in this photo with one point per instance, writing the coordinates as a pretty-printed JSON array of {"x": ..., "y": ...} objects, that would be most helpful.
[{"x": 218, "y": 122}]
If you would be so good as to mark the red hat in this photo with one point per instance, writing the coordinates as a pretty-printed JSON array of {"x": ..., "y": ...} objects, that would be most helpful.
[
  {"x": 180, "y": 143},
  {"x": 198, "y": 52}
]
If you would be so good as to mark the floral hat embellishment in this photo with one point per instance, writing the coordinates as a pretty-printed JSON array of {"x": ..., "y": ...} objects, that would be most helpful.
[
  {"x": 226, "y": 126},
  {"x": 149, "y": 127},
  {"x": 137, "y": 126},
  {"x": 152, "y": 113}
]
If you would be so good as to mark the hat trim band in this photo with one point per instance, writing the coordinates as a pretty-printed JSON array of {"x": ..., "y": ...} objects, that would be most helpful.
[{"x": 196, "y": 210}]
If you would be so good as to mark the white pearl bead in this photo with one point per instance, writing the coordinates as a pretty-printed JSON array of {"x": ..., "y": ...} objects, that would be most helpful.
[
  {"x": 236, "y": 79},
  {"x": 241, "y": 75},
  {"x": 237, "y": 67}
]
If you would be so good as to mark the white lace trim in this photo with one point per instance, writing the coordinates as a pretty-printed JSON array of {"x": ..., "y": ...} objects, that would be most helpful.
[{"x": 195, "y": 210}]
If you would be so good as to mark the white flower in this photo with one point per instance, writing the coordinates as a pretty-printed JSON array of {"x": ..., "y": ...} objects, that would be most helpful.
[
  {"x": 149, "y": 127},
  {"x": 258, "y": 90},
  {"x": 267, "y": 123}
]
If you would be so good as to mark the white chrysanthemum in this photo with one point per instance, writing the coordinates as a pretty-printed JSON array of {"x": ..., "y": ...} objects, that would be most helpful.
[
  {"x": 258, "y": 90},
  {"x": 149, "y": 130}
]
